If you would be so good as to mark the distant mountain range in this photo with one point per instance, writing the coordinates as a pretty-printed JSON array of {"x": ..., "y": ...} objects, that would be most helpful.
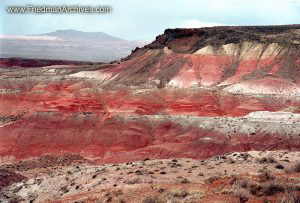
[{"x": 68, "y": 45}]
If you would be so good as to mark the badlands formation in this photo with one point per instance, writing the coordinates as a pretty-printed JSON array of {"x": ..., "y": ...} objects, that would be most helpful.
[{"x": 191, "y": 96}]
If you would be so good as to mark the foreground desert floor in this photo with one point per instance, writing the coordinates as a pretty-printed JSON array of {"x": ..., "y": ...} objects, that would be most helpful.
[{"x": 270, "y": 176}]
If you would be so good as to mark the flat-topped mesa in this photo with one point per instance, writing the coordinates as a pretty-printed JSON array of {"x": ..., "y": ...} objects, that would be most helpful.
[
  {"x": 182, "y": 40},
  {"x": 238, "y": 59},
  {"x": 27, "y": 62}
]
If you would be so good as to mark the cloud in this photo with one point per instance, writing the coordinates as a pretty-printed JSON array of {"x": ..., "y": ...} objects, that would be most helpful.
[
  {"x": 193, "y": 23},
  {"x": 24, "y": 37}
]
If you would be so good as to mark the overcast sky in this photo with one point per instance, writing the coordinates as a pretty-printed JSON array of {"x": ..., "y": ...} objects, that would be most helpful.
[{"x": 144, "y": 19}]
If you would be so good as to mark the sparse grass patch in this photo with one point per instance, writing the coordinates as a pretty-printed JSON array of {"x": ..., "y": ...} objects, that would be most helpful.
[
  {"x": 65, "y": 189},
  {"x": 133, "y": 180},
  {"x": 268, "y": 159},
  {"x": 180, "y": 193},
  {"x": 152, "y": 199},
  {"x": 185, "y": 181},
  {"x": 295, "y": 168},
  {"x": 266, "y": 175},
  {"x": 250, "y": 186},
  {"x": 290, "y": 198},
  {"x": 244, "y": 183},
  {"x": 211, "y": 179},
  {"x": 273, "y": 188},
  {"x": 242, "y": 194}
]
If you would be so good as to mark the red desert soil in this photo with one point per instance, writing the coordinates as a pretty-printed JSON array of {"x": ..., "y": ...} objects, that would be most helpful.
[{"x": 131, "y": 125}]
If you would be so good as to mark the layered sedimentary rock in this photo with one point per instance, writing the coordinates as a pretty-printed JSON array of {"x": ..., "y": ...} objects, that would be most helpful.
[
  {"x": 190, "y": 93},
  {"x": 242, "y": 58}
]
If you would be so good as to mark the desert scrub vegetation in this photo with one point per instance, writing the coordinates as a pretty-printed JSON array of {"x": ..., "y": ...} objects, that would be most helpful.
[
  {"x": 266, "y": 185},
  {"x": 290, "y": 198},
  {"x": 153, "y": 199},
  {"x": 177, "y": 195},
  {"x": 242, "y": 194},
  {"x": 267, "y": 159},
  {"x": 182, "y": 193},
  {"x": 265, "y": 175},
  {"x": 185, "y": 181},
  {"x": 133, "y": 180},
  {"x": 279, "y": 166},
  {"x": 294, "y": 168},
  {"x": 271, "y": 188}
]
